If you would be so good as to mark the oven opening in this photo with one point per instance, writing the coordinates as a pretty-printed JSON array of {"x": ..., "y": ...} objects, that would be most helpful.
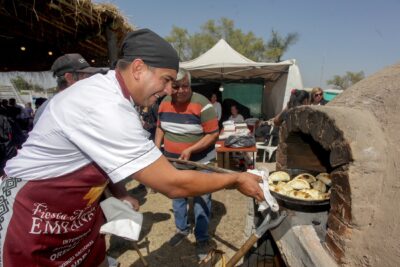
[
  {"x": 316, "y": 151},
  {"x": 304, "y": 153}
]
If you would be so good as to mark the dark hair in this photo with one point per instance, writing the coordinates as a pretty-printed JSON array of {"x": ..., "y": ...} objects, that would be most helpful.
[
  {"x": 297, "y": 98},
  {"x": 62, "y": 82},
  {"x": 122, "y": 64},
  {"x": 39, "y": 101}
]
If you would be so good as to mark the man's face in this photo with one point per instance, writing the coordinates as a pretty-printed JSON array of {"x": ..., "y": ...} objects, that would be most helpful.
[
  {"x": 181, "y": 91},
  {"x": 213, "y": 98},
  {"x": 155, "y": 83}
]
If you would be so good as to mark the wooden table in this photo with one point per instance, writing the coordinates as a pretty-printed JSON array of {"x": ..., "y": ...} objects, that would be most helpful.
[{"x": 223, "y": 153}]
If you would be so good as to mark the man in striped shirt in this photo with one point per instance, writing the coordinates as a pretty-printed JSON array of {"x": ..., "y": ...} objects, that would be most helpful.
[{"x": 188, "y": 126}]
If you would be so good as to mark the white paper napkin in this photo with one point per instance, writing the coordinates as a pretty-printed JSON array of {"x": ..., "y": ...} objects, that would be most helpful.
[
  {"x": 270, "y": 201},
  {"x": 122, "y": 220}
]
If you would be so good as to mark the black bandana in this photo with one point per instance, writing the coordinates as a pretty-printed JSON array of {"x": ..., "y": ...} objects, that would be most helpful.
[{"x": 151, "y": 48}]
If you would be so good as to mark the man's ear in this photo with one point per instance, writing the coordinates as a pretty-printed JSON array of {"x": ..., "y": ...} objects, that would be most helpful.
[
  {"x": 137, "y": 68},
  {"x": 69, "y": 77}
]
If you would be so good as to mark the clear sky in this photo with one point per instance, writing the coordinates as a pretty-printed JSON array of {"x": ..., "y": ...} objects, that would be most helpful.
[{"x": 335, "y": 36}]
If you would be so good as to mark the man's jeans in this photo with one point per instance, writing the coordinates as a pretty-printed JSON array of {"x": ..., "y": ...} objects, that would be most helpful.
[{"x": 202, "y": 211}]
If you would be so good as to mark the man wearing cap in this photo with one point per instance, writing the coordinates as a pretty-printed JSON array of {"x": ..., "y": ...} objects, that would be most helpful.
[
  {"x": 68, "y": 69},
  {"x": 50, "y": 194}
]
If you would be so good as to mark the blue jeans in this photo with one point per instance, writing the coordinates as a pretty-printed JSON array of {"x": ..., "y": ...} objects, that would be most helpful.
[{"x": 202, "y": 211}]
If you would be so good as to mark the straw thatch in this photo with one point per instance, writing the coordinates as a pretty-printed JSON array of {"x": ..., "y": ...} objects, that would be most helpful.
[{"x": 59, "y": 26}]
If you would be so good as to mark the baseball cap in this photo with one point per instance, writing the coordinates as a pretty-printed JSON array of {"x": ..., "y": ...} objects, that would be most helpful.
[
  {"x": 73, "y": 63},
  {"x": 151, "y": 48}
]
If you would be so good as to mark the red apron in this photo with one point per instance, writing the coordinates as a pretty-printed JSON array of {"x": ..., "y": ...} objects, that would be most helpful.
[{"x": 56, "y": 222}]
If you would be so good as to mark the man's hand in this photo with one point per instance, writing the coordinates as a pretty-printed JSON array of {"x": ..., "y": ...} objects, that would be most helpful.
[
  {"x": 185, "y": 155},
  {"x": 133, "y": 201},
  {"x": 248, "y": 184},
  {"x": 118, "y": 190}
]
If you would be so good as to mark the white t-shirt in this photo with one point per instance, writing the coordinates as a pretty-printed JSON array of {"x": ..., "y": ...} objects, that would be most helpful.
[
  {"x": 91, "y": 121},
  {"x": 237, "y": 119},
  {"x": 218, "y": 109}
]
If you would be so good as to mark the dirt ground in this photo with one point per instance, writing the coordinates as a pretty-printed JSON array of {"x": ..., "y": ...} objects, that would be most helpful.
[{"x": 227, "y": 230}]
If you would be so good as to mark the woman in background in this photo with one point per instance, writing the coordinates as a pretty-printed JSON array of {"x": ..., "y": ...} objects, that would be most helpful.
[
  {"x": 317, "y": 96},
  {"x": 235, "y": 116}
]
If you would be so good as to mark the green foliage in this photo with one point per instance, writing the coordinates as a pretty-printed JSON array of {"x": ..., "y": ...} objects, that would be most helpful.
[
  {"x": 278, "y": 45},
  {"x": 347, "y": 80},
  {"x": 248, "y": 44},
  {"x": 179, "y": 39},
  {"x": 22, "y": 85}
]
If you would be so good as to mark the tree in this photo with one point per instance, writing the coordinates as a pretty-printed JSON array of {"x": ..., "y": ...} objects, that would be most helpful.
[
  {"x": 248, "y": 44},
  {"x": 278, "y": 45},
  {"x": 179, "y": 39},
  {"x": 22, "y": 85},
  {"x": 347, "y": 80}
]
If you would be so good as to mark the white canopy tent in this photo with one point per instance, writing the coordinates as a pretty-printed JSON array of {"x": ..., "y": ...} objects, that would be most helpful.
[{"x": 224, "y": 64}]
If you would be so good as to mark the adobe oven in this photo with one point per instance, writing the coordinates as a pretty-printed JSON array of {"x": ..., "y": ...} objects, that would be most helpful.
[{"x": 355, "y": 138}]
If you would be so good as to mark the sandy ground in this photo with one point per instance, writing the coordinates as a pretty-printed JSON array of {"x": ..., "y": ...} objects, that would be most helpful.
[{"x": 227, "y": 229}]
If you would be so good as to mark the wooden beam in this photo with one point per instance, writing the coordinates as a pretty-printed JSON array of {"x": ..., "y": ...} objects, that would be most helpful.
[{"x": 111, "y": 45}]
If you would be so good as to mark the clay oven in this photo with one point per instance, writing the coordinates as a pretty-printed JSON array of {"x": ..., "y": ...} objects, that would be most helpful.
[{"x": 356, "y": 138}]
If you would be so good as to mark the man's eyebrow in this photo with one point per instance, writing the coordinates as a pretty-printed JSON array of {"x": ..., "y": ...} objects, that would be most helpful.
[{"x": 170, "y": 78}]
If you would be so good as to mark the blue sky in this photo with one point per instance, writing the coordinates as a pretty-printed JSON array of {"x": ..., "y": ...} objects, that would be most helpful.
[{"x": 335, "y": 36}]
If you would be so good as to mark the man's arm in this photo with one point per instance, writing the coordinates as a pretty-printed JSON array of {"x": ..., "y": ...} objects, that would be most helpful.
[
  {"x": 159, "y": 137},
  {"x": 278, "y": 118},
  {"x": 166, "y": 179},
  {"x": 205, "y": 142}
]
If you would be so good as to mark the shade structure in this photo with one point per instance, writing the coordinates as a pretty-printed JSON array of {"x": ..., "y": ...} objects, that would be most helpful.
[{"x": 222, "y": 64}]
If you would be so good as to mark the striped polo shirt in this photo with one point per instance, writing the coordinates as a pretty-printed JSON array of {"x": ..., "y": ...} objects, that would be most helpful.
[{"x": 185, "y": 124}]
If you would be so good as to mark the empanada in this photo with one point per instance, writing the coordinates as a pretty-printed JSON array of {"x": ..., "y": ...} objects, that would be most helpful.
[
  {"x": 306, "y": 177},
  {"x": 325, "y": 178},
  {"x": 319, "y": 185},
  {"x": 315, "y": 194},
  {"x": 299, "y": 184},
  {"x": 279, "y": 176},
  {"x": 272, "y": 187},
  {"x": 282, "y": 188},
  {"x": 299, "y": 195}
]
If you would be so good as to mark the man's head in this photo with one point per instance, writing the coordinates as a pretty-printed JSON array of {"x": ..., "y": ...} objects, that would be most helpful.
[
  {"x": 39, "y": 101},
  {"x": 12, "y": 102},
  {"x": 4, "y": 102},
  {"x": 71, "y": 68},
  {"x": 181, "y": 88},
  {"x": 213, "y": 98},
  {"x": 148, "y": 65}
]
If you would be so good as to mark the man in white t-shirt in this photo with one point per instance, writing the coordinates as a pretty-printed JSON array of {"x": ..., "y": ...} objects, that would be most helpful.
[{"x": 88, "y": 136}]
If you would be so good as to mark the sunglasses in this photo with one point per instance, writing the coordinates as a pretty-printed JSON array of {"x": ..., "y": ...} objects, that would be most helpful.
[{"x": 318, "y": 94}]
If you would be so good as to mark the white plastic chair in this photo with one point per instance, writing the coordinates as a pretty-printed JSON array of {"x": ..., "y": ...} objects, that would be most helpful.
[{"x": 267, "y": 148}]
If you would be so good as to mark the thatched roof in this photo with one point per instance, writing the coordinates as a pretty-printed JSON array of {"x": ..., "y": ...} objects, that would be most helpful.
[{"x": 59, "y": 26}]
